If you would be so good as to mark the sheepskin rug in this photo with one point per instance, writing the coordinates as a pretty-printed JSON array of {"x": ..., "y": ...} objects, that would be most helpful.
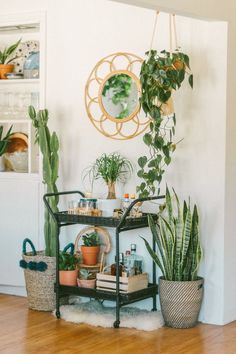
[{"x": 96, "y": 314}]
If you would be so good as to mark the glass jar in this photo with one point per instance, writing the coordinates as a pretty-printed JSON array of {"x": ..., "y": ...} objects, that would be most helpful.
[{"x": 87, "y": 205}]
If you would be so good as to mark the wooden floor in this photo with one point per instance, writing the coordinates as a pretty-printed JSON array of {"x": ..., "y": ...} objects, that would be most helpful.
[{"x": 26, "y": 331}]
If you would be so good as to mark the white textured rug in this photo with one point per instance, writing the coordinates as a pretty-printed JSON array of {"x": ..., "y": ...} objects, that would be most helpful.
[{"x": 95, "y": 314}]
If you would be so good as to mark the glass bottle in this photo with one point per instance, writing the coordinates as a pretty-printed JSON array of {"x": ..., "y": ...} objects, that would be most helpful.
[
  {"x": 125, "y": 202},
  {"x": 121, "y": 265},
  {"x": 136, "y": 260},
  {"x": 129, "y": 269}
]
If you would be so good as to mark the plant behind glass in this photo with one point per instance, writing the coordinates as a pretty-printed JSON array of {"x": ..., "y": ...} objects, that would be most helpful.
[
  {"x": 4, "y": 140},
  {"x": 111, "y": 168},
  {"x": 176, "y": 234},
  {"x": 160, "y": 75},
  {"x": 5, "y": 54}
]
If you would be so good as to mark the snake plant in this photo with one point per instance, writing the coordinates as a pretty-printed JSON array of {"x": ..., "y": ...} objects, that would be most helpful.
[
  {"x": 49, "y": 146},
  {"x": 177, "y": 237},
  {"x": 5, "y": 55}
]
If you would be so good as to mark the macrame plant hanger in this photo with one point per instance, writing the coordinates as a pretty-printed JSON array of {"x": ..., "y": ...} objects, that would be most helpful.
[
  {"x": 172, "y": 32},
  {"x": 168, "y": 107}
]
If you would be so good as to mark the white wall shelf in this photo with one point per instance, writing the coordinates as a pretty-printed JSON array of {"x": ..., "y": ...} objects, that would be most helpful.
[{"x": 20, "y": 81}]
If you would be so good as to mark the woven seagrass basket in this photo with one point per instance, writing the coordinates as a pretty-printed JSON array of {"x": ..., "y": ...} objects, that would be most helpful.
[
  {"x": 180, "y": 302},
  {"x": 40, "y": 285},
  {"x": 40, "y": 276}
]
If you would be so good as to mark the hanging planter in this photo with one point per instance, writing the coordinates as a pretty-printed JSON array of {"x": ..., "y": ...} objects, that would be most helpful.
[{"x": 161, "y": 74}]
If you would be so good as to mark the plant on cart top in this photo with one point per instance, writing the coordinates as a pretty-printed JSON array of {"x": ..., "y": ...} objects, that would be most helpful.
[
  {"x": 49, "y": 146},
  {"x": 161, "y": 73},
  {"x": 91, "y": 240},
  {"x": 68, "y": 261},
  {"x": 6, "y": 53},
  {"x": 4, "y": 140},
  {"x": 111, "y": 168},
  {"x": 176, "y": 234}
]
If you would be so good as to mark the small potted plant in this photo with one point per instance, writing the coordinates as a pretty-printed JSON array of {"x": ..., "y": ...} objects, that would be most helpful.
[
  {"x": 68, "y": 269},
  {"x": 111, "y": 168},
  {"x": 3, "y": 145},
  {"x": 86, "y": 279},
  {"x": 91, "y": 248},
  {"x": 6, "y": 59}
]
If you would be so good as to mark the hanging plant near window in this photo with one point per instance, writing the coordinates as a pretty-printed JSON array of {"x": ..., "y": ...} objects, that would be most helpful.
[{"x": 161, "y": 73}]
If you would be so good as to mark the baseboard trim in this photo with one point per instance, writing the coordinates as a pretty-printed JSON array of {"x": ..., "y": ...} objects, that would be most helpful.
[{"x": 13, "y": 290}]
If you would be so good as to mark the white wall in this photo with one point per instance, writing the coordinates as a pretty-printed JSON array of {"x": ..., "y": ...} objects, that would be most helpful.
[
  {"x": 80, "y": 35},
  {"x": 221, "y": 10}
]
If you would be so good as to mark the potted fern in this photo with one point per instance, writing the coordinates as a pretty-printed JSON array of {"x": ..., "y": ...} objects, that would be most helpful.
[
  {"x": 176, "y": 234},
  {"x": 6, "y": 59}
]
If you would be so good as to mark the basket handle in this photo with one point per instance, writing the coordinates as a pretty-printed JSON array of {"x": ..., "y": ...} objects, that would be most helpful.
[
  {"x": 70, "y": 247},
  {"x": 27, "y": 240}
]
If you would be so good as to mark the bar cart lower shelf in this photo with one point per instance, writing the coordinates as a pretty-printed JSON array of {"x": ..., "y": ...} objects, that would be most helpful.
[{"x": 124, "y": 224}]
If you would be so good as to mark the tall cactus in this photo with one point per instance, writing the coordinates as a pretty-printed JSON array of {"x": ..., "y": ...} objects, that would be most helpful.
[{"x": 49, "y": 146}]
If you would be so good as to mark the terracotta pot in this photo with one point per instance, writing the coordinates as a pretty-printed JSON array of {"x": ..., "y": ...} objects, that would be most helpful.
[
  {"x": 90, "y": 254},
  {"x": 68, "y": 277},
  {"x": 88, "y": 283},
  {"x": 5, "y": 69}
]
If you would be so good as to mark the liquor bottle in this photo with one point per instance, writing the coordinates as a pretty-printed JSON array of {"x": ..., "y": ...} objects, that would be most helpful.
[
  {"x": 129, "y": 269},
  {"x": 136, "y": 260},
  {"x": 121, "y": 266},
  {"x": 136, "y": 210}
]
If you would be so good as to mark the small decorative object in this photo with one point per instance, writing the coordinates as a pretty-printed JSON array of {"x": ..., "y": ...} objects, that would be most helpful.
[
  {"x": 86, "y": 279},
  {"x": 6, "y": 59},
  {"x": 16, "y": 156},
  {"x": 23, "y": 51},
  {"x": 178, "y": 257},
  {"x": 68, "y": 268},
  {"x": 91, "y": 248},
  {"x": 3, "y": 146},
  {"x": 161, "y": 74},
  {"x": 111, "y": 168},
  {"x": 14, "y": 76},
  {"x": 31, "y": 66},
  {"x": 113, "y": 92}
]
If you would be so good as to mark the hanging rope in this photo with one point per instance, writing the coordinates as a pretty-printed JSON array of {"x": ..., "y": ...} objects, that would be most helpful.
[
  {"x": 172, "y": 32},
  {"x": 154, "y": 30}
]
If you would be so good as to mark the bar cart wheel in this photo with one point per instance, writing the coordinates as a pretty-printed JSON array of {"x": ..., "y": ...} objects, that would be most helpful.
[
  {"x": 58, "y": 314},
  {"x": 116, "y": 324}
]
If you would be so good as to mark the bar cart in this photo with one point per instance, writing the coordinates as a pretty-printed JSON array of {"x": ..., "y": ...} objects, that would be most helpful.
[{"x": 125, "y": 223}]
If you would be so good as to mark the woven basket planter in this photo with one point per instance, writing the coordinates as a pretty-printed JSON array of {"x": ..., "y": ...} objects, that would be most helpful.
[
  {"x": 40, "y": 285},
  {"x": 180, "y": 302}
]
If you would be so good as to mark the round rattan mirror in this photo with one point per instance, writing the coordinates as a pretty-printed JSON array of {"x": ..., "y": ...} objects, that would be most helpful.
[{"x": 112, "y": 97}]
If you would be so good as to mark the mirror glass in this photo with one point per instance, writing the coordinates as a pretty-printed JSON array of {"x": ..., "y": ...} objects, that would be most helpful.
[{"x": 120, "y": 96}]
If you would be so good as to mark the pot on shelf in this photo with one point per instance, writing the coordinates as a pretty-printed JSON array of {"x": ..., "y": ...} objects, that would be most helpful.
[
  {"x": 5, "y": 69},
  {"x": 86, "y": 283},
  {"x": 68, "y": 277},
  {"x": 180, "y": 302},
  {"x": 90, "y": 254}
]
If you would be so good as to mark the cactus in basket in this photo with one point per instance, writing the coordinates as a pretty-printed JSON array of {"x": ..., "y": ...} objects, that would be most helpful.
[{"x": 49, "y": 146}]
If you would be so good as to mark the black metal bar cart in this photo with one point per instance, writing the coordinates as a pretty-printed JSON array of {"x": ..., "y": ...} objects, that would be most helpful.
[{"x": 125, "y": 223}]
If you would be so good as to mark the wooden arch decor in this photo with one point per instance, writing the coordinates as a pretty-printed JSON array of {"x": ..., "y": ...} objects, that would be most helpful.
[{"x": 135, "y": 122}]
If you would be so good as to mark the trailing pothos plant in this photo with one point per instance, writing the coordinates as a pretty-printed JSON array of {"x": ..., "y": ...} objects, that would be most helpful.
[{"x": 161, "y": 73}]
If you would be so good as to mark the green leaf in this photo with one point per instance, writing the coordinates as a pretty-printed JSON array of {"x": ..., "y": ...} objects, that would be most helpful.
[
  {"x": 142, "y": 161},
  {"x": 190, "y": 80},
  {"x": 147, "y": 139}
]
